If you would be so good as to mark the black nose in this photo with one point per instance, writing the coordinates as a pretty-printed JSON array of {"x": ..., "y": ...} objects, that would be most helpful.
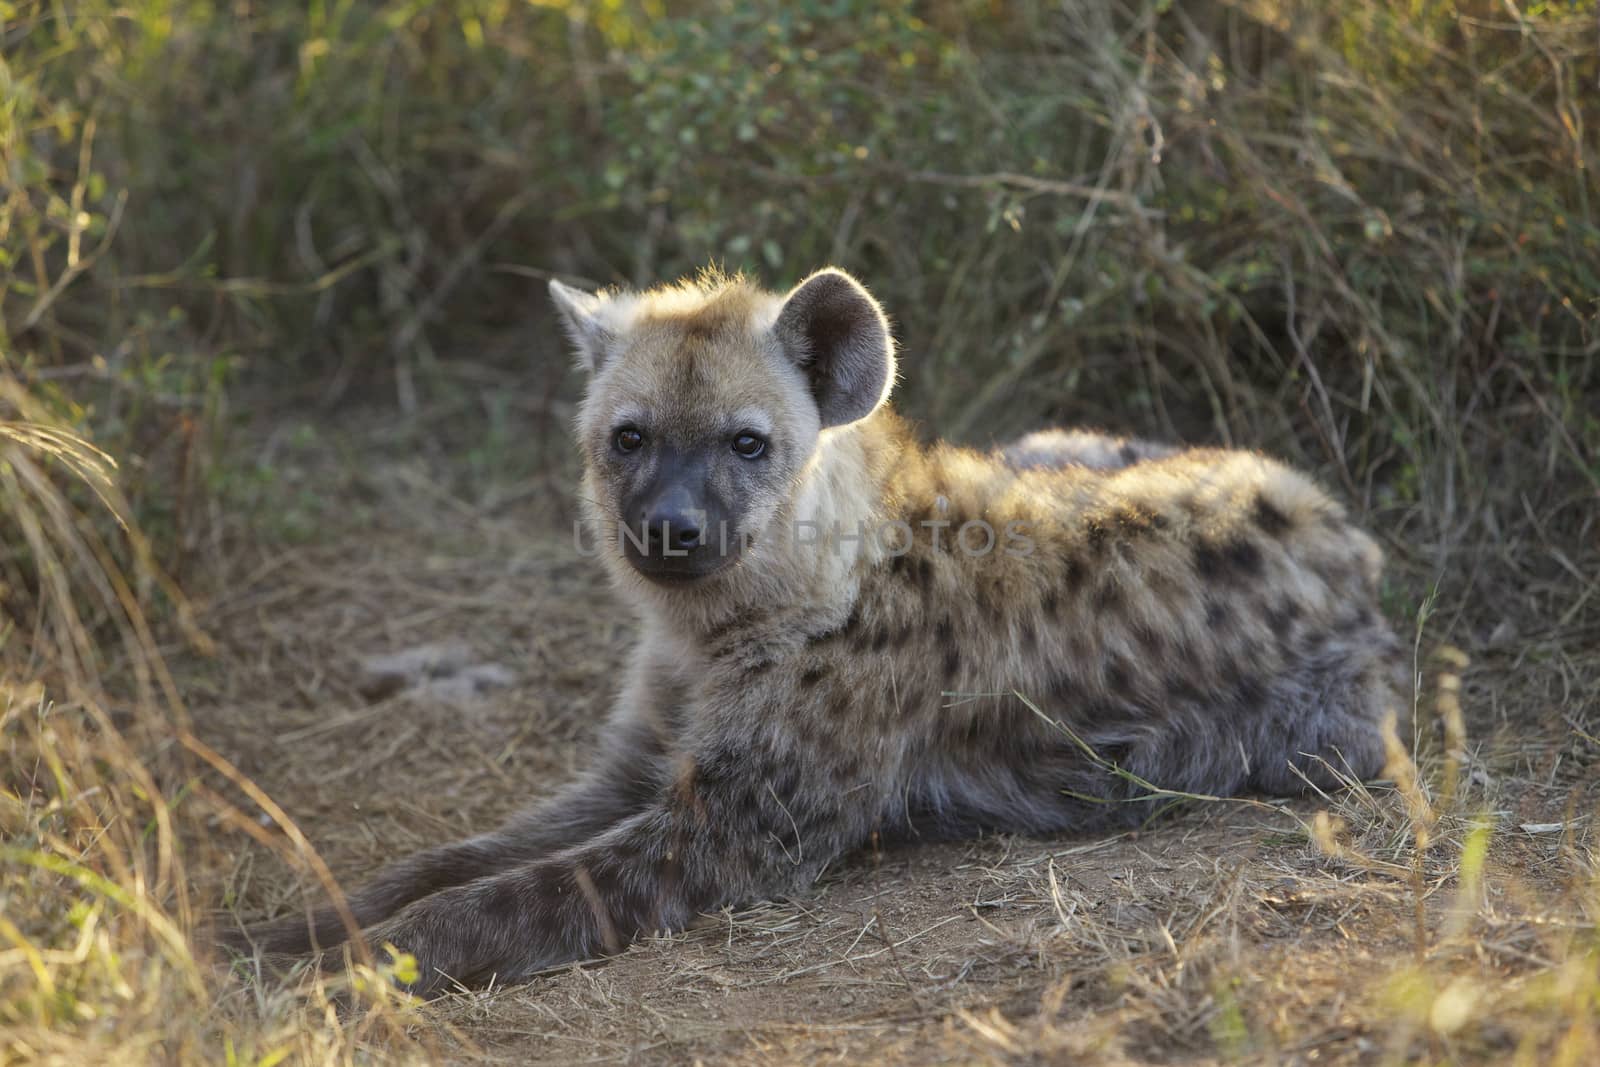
[{"x": 676, "y": 528}]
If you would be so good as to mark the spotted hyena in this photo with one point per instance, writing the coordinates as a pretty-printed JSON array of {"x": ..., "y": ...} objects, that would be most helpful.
[{"x": 846, "y": 632}]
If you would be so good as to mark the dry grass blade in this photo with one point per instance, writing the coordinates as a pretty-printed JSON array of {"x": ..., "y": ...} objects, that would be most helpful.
[{"x": 96, "y": 811}]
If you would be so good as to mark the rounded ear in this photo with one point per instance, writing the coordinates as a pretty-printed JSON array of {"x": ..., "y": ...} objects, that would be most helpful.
[
  {"x": 578, "y": 311},
  {"x": 837, "y": 334}
]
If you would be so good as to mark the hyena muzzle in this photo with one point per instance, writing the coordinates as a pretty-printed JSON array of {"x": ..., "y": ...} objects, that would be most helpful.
[{"x": 845, "y": 633}]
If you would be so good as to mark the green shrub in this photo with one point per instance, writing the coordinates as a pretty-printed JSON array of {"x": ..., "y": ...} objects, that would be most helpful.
[{"x": 1361, "y": 234}]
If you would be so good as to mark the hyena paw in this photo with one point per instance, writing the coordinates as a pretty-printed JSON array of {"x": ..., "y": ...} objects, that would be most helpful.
[
  {"x": 454, "y": 940},
  {"x": 415, "y": 954}
]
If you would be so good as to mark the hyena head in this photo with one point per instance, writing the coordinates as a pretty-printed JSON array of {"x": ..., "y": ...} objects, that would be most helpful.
[{"x": 705, "y": 406}]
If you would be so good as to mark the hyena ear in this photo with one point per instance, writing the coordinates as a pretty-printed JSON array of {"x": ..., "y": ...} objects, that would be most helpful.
[
  {"x": 835, "y": 332},
  {"x": 580, "y": 315}
]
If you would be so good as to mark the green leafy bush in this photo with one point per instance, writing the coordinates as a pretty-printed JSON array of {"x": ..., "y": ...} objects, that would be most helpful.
[{"x": 1361, "y": 234}]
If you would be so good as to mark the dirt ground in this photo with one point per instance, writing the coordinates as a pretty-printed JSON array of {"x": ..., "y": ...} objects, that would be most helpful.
[{"x": 1221, "y": 932}]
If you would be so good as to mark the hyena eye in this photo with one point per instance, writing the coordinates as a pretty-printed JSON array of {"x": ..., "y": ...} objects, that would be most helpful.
[
  {"x": 628, "y": 439},
  {"x": 749, "y": 445}
]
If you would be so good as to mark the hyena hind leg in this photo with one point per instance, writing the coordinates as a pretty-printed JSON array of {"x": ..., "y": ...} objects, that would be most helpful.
[
  {"x": 1039, "y": 780},
  {"x": 1324, "y": 727}
]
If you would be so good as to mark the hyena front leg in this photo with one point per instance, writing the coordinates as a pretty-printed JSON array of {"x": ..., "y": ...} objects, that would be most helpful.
[
  {"x": 739, "y": 822},
  {"x": 626, "y": 777}
]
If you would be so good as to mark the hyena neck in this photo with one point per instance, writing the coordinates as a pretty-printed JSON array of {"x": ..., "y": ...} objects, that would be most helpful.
[
  {"x": 838, "y": 507},
  {"x": 809, "y": 559}
]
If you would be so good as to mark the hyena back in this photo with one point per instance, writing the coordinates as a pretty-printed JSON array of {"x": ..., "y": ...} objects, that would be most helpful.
[
  {"x": 839, "y": 627},
  {"x": 1056, "y": 448}
]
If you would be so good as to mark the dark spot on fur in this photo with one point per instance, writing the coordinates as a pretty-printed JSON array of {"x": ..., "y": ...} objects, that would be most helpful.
[
  {"x": 970, "y": 731},
  {"x": 1102, "y": 711},
  {"x": 1149, "y": 640},
  {"x": 944, "y": 632},
  {"x": 1131, "y": 521},
  {"x": 846, "y": 770},
  {"x": 1050, "y": 605},
  {"x": 1216, "y": 614},
  {"x": 924, "y": 573},
  {"x": 907, "y": 696},
  {"x": 716, "y": 769},
  {"x": 1341, "y": 576},
  {"x": 1272, "y": 521},
  {"x": 1248, "y": 691},
  {"x": 880, "y": 640},
  {"x": 1217, "y": 563},
  {"x": 1072, "y": 574},
  {"x": 1281, "y": 619},
  {"x": 952, "y": 662},
  {"x": 625, "y": 850},
  {"x": 839, "y": 705},
  {"x": 1354, "y": 622},
  {"x": 1116, "y": 675},
  {"x": 1078, "y": 649},
  {"x": 812, "y": 676},
  {"x": 1165, "y": 588},
  {"x": 1108, "y": 596},
  {"x": 1097, "y": 535},
  {"x": 1242, "y": 556},
  {"x": 785, "y": 780},
  {"x": 1128, "y": 454},
  {"x": 990, "y": 597},
  {"x": 736, "y": 621},
  {"x": 1117, "y": 755},
  {"x": 844, "y": 629},
  {"x": 1181, "y": 690}
]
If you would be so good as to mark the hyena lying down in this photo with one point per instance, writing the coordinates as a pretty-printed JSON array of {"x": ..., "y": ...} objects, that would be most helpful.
[{"x": 836, "y": 621}]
